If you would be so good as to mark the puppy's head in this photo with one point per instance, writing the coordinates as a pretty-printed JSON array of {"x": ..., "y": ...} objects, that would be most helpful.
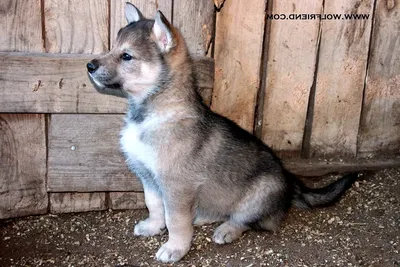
[{"x": 136, "y": 65}]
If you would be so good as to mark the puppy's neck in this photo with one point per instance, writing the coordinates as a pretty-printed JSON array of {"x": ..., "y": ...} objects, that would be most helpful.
[{"x": 178, "y": 86}]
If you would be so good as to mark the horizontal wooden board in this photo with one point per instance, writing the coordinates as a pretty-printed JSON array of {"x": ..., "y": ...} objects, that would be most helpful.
[
  {"x": 58, "y": 83},
  {"x": 316, "y": 167},
  {"x": 51, "y": 83},
  {"x": 127, "y": 200},
  {"x": 22, "y": 165},
  {"x": 77, "y": 202},
  {"x": 380, "y": 120},
  {"x": 84, "y": 155}
]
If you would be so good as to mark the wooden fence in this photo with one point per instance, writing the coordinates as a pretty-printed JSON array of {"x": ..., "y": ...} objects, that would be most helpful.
[{"x": 309, "y": 88}]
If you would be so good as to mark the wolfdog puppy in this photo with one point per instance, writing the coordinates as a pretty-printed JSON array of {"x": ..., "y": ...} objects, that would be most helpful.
[{"x": 195, "y": 166}]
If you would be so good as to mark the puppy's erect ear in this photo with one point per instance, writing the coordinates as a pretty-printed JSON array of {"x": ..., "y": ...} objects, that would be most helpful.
[
  {"x": 163, "y": 34},
  {"x": 132, "y": 14}
]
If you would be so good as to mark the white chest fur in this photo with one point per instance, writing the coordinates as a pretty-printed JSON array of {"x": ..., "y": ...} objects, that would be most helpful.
[{"x": 135, "y": 148}]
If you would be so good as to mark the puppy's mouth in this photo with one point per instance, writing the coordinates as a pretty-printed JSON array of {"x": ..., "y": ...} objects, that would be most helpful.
[
  {"x": 113, "y": 86},
  {"x": 102, "y": 85}
]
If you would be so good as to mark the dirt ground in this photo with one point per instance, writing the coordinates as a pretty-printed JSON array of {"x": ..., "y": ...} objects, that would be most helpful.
[{"x": 361, "y": 230}]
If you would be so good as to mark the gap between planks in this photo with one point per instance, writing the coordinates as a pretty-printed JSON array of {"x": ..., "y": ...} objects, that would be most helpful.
[{"x": 259, "y": 108}]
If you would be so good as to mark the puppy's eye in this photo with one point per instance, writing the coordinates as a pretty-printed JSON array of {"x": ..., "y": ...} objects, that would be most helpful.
[{"x": 126, "y": 57}]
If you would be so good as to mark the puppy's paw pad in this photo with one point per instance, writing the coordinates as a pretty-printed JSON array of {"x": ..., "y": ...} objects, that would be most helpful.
[
  {"x": 149, "y": 228},
  {"x": 171, "y": 254},
  {"x": 225, "y": 235}
]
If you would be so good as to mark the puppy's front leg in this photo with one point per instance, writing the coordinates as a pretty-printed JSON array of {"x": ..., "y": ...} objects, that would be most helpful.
[
  {"x": 155, "y": 224},
  {"x": 178, "y": 217}
]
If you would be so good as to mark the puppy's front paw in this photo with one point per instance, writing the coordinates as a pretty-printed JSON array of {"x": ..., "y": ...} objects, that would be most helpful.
[
  {"x": 171, "y": 252},
  {"x": 149, "y": 227}
]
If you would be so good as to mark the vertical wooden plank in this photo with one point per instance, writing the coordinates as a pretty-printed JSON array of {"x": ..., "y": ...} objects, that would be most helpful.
[
  {"x": 195, "y": 20},
  {"x": 22, "y": 137},
  {"x": 340, "y": 79},
  {"x": 22, "y": 165},
  {"x": 147, "y": 7},
  {"x": 238, "y": 48},
  {"x": 380, "y": 120},
  {"x": 74, "y": 26},
  {"x": 21, "y": 26},
  {"x": 292, "y": 52},
  {"x": 77, "y": 202}
]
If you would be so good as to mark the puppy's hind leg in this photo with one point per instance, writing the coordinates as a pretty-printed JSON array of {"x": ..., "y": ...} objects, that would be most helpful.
[
  {"x": 264, "y": 199},
  {"x": 272, "y": 222},
  {"x": 228, "y": 232},
  {"x": 234, "y": 227},
  {"x": 231, "y": 230}
]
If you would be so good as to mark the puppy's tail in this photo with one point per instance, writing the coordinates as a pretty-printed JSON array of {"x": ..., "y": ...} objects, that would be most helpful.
[{"x": 305, "y": 197}]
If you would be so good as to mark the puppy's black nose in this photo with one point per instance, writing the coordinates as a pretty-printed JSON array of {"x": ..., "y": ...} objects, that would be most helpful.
[{"x": 92, "y": 66}]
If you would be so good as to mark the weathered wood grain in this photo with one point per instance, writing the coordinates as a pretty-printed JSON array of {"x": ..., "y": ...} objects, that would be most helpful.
[
  {"x": 340, "y": 79},
  {"x": 77, "y": 202},
  {"x": 22, "y": 165},
  {"x": 147, "y": 7},
  {"x": 292, "y": 52},
  {"x": 238, "y": 48},
  {"x": 380, "y": 119},
  {"x": 74, "y": 26},
  {"x": 127, "y": 200},
  {"x": 219, "y": 3},
  {"x": 21, "y": 26},
  {"x": 195, "y": 20},
  {"x": 84, "y": 155},
  {"x": 58, "y": 83},
  {"x": 51, "y": 83}
]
